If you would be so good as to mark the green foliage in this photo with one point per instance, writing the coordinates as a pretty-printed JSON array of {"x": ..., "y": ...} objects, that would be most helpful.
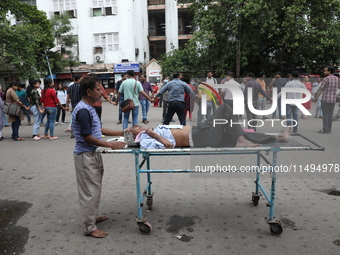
[
  {"x": 24, "y": 44},
  {"x": 61, "y": 27},
  {"x": 260, "y": 35}
]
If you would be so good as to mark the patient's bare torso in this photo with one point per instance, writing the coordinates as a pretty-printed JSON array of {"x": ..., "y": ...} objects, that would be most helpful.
[{"x": 181, "y": 136}]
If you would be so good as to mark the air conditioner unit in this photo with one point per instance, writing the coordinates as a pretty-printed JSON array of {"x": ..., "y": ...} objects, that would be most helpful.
[
  {"x": 110, "y": 10},
  {"x": 72, "y": 13},
  {"x": 99, "y": 58}
]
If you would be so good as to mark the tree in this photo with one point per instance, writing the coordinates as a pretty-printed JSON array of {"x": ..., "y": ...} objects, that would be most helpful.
[
  {"x": 260, "y": 35},
  {"x": 24, "y": 44},
  {"x": 63, "y": 56}
]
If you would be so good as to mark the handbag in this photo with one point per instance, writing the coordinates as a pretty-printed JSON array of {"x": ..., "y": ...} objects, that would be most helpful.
[
  {"x": 128, "y": 104},
  {"x": 11, "y": 108}
]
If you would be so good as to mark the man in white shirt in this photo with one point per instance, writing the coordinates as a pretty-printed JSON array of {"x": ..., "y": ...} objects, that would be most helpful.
[
  {"x": 226, "y": 93},
  {"x": 291, "y": 109},
  {"x": 210, "y": 79}
]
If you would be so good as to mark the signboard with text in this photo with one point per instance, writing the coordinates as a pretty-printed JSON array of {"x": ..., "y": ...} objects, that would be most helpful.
[{"x": 124, "y": 67}]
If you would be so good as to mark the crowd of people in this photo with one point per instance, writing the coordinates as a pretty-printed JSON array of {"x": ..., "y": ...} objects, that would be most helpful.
[{"x": 175, "y": 97}]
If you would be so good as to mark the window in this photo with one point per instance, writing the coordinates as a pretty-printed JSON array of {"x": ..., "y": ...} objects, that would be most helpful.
[
  {"x": 107, "y": 42},
  {"x": 104, "y": 8},
  {"x": 67, "y": 6}
]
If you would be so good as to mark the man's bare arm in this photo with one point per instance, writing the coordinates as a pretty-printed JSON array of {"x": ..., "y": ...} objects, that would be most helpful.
[
  {"x": 166, "y": 142},
  {"x": 110, "y": 132},
  {"x": 94, "y": 141}
]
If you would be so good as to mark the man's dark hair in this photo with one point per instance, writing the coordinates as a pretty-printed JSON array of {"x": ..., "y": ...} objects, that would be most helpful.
[
  {"x": 331, "y": 69},
  {"x": 13, "y": 83},
  {"x": 250, "y": 75},
  {"x": 295, "y": 74},
  {"x": 231, "y": 74},
  {"x": 279, "y": 73},
  {"x": 123, "y": 74},
  {"x": 176, "y": 75},
  {"x": 131, "y": 73},
  {"x": 32, "y": 82},
  {"x": 88, "y": 82},
  {"x": 77, "y": 77},
  {"x": 261, "y": 74}
]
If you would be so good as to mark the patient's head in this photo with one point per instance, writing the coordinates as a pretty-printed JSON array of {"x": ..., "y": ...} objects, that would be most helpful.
[
  {"x": 136, "y": 129},
  {"x": 131, "y": 133}
]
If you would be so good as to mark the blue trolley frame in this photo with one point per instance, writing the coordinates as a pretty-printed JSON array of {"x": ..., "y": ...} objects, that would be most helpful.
[{"x": 145, "y": 154}]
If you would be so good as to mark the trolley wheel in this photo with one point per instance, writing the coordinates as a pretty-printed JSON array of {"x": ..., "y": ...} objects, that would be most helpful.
[
  {"x": 145, "y": 228},
  {"x": 255, "y": 200},
  {"x": 276, "y": 229},
  {"x": 149, "y": 203}
]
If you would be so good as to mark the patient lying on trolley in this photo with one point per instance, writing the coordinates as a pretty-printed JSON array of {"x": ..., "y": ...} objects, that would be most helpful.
[{"x": 205, "y": 135}]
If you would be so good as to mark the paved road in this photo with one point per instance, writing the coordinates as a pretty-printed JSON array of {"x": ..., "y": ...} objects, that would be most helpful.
[{"x": 39, "y": 210}]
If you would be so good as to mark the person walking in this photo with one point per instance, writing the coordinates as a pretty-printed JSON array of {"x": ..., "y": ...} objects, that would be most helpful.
[
  {"x": 50, "y": 102},
  {"x": 308, "y": 104},
  {"x": 278, "y": 82},
  {"x": 143, "y": 101},
  {"x": 2, "y": 115},
  {"x": 262, "y": 100},
  {"x": 292, "y": 111},
  {"x": 165, "y": 98},
  {"x": 73, "y": 96},
  {"x": 21, "y": 92},
  {"x": 329, "y": 88},
  {"x": 176, "y": 89},
  {"x": 98, "y": 105},
  {"x": 251, "y": 117},
  {"x": 121, "y": 98},
  {"x": 61, "y": 94},
  {"x": 131, "y": 89},
  {"x": 35, "y": 108},
  {"x": 12, "y": 97}
]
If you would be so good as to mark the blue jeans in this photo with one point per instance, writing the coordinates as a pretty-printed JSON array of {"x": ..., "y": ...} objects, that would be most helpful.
[
  {"x": 134, "y": 117},
  {"x": 51, "y": 113},
  {"x": 292, "y": 111},
  {"x": 37, "y": 119},
  {"x": 261, "y": 103},
  {"x": 278, "y": 108},
  {"x": 15, "y": 128},
  {"x": 145, "y": 108},
  {"x": 4, "y": 116},
  {"x": 318, "y": 110},
  {"x": 42, "y": 117},
  {"x": 199, "y": 112}
]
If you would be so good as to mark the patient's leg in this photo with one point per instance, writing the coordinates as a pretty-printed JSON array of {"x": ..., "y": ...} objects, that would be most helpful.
[
  {"x": 284, "y": 135},
  {"x": 243, "y": 142}
]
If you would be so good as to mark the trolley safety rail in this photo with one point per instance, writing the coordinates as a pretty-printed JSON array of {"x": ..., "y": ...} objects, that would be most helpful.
[{"x": 275, "y": 148}]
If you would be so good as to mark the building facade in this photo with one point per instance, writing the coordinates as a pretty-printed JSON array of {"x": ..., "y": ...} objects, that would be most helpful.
[{"x": 112, "y": 33}]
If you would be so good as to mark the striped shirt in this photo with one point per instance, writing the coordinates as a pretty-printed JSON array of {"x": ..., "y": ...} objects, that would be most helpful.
[
  {"x": 74, "y": 92},
  {"x": 329, "y": 87}
]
